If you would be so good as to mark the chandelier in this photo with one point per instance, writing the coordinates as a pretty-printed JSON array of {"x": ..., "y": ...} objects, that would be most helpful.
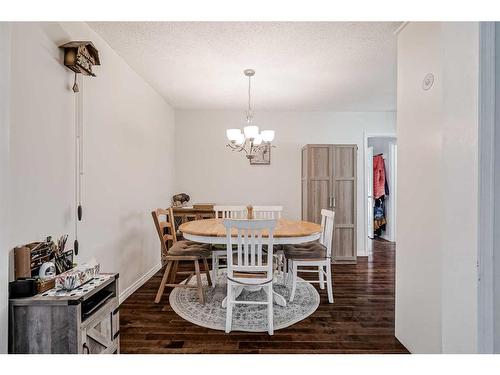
[{"x": 250, "y": 140}]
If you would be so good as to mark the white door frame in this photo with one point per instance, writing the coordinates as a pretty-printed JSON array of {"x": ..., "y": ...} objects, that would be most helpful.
[
  {"x": 367, "y": 135},
  {"x": 486, "y": 214},
  {"x": 394, "y": 182},
  {"x": 369, "y": 192}
]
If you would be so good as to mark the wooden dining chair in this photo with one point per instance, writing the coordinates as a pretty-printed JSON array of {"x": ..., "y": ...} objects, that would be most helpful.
[
  {"x": 174, "y": 251},
  {"x": 317, "y": 254},
  {"x": 250, "y": 265},
  {"x": 219, "y": 251}
]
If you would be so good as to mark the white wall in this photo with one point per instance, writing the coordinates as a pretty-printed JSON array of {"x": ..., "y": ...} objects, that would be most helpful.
[
  {"x": 209, "y": 172},
  {"x": 437, "y": 200},
  {"x": 4, "y": 179},
  {"x": 128, "y": 155},
  {"x": 460, "y": 195},
  {"x": 419, "y": 133}
]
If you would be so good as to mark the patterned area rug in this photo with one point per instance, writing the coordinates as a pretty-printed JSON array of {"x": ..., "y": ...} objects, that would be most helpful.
[{"x": 248, "y": 318}]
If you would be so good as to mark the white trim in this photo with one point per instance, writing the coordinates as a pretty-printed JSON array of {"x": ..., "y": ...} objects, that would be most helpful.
[
  {"x": 365, "y": 253},
  {"x": 390, "y": 233},
  {"x": 5, "y": 222},
  {"x": 486, "y": 187},
  {"x": 401, "y": 27},
  {"x": 366, "y": 135},
  {"x": 132, "y": 288}
]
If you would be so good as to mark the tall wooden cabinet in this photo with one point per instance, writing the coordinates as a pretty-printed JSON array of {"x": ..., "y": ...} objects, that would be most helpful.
[{"x": 329, "y": 181}]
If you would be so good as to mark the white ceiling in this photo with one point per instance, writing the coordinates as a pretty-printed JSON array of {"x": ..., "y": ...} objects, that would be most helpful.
[{"x": 309, "y": 66}]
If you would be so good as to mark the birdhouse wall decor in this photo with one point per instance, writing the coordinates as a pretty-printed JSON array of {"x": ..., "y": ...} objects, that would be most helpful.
[{"x": 80, "y": 56}]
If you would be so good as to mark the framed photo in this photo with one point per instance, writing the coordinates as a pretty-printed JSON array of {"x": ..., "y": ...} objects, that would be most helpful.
[{"x": 262, "y": 157}]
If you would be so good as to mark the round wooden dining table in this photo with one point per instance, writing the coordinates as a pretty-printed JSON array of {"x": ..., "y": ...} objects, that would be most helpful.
[
  {"x": 212, "y": 231},
  {"x": 287, "y": 232}
]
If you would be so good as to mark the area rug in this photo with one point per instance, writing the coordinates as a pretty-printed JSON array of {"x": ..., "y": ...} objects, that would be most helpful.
[{"x": 247, "y": 318}]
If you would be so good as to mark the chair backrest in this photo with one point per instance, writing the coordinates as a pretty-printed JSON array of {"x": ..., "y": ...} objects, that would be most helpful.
[
  {"x": 267, "y": 212},
  {"x": 249, "y": 256},
  {"x": 327, "y": 221},
  {"x": 165, "y": 227},
  {"x": 230, "y": 212}
]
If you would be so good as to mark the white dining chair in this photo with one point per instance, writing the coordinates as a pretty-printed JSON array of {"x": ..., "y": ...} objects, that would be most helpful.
[
  {"x": 219, "y": 251},
  {"x": 318, "y": 254},
  {"x": 230, "y": 212},
  {"x": 250, "y": 266},
  {"x": 267, "y": 212},
  {"x": 272, "y": 212}
]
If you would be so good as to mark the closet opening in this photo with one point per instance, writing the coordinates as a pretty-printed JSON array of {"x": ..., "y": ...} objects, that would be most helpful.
[{"x": 380, "y": 188}]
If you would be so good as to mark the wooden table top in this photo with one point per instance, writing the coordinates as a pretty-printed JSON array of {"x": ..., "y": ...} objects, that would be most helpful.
[{"x": 284, "y": 228}]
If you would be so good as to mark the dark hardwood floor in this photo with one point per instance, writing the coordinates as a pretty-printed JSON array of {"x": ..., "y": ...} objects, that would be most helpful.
[{"x": 360, "y": 321}]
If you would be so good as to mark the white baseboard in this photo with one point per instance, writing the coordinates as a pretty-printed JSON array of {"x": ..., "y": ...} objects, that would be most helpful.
[
  {"x": 387, "y": 238},
  {"x": 132, "y": 288}
]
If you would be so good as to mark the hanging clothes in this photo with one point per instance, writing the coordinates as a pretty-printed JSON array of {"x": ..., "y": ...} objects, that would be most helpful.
[
  {"x": 379, "y": 184},
  {"x": 379, "y": 220}
]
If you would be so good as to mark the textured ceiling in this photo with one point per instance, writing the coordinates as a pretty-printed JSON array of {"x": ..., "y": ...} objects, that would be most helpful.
[{"x": 310, "y": 66}]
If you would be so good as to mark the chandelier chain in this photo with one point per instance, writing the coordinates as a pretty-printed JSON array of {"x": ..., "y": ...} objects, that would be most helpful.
[{"x": 249, "y": 111}]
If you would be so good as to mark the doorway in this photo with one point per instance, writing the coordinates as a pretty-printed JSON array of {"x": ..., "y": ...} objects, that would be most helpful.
[{"x": 380, "y": 188}]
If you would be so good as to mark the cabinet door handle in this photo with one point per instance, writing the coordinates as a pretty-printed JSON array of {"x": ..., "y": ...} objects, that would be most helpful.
[
  {"x": 330, "y": 202},
  {"x": 86, "y": 348},
  {"x": 333, "y": 202}
]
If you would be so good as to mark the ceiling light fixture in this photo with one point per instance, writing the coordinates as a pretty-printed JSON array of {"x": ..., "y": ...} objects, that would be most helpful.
[{"x": 250, "y": 140}]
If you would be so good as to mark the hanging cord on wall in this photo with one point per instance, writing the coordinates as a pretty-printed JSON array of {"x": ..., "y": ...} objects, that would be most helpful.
[
  {"x": 79, "y": 105},
  {"x": 75, "y": 244},
  {"x": 80, "y": 149}
]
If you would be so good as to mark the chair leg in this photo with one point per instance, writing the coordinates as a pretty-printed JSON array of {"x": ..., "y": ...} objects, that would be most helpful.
[
  {"x": 294, "y": 281},
  {"x": 284, "y": 268},
  {"x": 270, "y": 323},
  {"x": 215, "y": 264},
  {"x": 229, "y": 307},
  {"x": 173, "y": 273},
  {"x": 288, "y": 272},
  {"x": 321, "y": 277},
  {"x": 329, "y": 282},
  {"x": 201, "y": 295},
  {"x": 207, "y": 271},
  {"x": 164, "y": 279}
]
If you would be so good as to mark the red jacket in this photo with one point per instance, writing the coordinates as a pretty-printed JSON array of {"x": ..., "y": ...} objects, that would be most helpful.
[{"x": 378, "y": 176}]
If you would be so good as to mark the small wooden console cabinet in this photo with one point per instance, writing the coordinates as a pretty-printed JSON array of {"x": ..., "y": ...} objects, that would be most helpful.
[{"x": 84, "y": 321}]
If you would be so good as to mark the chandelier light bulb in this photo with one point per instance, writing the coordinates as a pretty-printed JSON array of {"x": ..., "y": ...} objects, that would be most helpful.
[
  {"x": 267, "y": 135},
  {"x": 251, "y": 131},
  {"x": 233, "y": 134},
  {"x": 240, "y": 139},
  {"x": 257, "y": 140}
]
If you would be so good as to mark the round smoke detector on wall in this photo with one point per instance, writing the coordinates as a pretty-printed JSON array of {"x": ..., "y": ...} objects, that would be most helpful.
[{"x": 428, "y": 81}]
